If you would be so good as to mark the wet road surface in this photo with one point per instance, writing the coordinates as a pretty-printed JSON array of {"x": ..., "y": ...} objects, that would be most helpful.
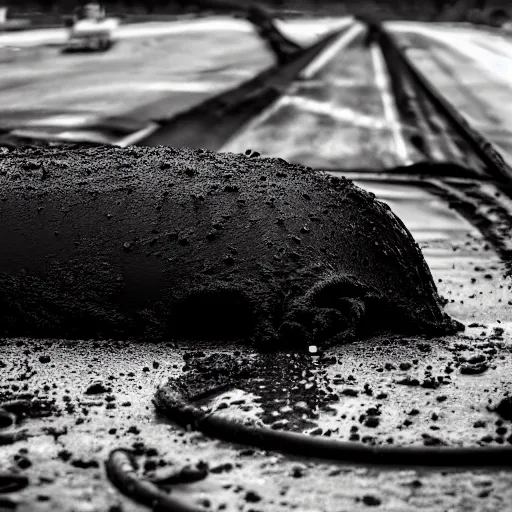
[
  {"x": 155, "y": 70},
  {"x": 336, "y": 116},
  {"x": 344, "y": 117},
  {"x": 142, "y": 77}
]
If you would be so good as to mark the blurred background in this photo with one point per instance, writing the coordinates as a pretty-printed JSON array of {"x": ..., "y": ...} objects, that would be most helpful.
[
  {"x": 158, "y": 58},
  {"x": 50, "y": 12}
]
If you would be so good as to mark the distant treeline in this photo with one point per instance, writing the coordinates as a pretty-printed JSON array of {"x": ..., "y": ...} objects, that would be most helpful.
[{"x": 408, "y": 9}]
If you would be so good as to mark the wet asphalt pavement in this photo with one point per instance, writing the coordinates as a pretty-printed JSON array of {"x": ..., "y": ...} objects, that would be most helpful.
[
  {"x": 155, "y": 70},
  {"x": 143, "y": 77}
]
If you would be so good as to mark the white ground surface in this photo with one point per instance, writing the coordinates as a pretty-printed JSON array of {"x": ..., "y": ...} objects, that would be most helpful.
[{"x": 165, "y": 69}]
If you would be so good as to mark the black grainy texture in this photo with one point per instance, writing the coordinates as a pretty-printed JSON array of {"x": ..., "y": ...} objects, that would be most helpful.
[
  {"x": 150, "y": 243},
  {"x": 504, "y": 408}
]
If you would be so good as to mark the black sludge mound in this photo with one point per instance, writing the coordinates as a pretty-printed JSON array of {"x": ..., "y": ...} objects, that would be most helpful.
[{"x": 159, "y": 243}]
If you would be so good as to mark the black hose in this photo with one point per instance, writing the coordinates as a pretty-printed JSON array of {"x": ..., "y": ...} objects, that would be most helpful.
[
  {"x": 171, "y": 402},
  {"x": 13, "y": 436},
  {"x": 121, "y": 470},
  {"x": 11, "y": 482}
]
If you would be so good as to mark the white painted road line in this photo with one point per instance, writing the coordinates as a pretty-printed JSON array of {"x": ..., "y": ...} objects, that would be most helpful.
[
  {"x": 344, "y": 40},
  {"x": 465, "y": 42},
  {"x": 331, "y": 51},
  {"x": 135, "y": 137},
  {"x": 337, "y": 112},
  {"x": 390, "y": 113}
]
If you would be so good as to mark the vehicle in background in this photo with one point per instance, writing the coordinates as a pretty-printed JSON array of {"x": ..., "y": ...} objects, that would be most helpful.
[
  {"x": 11, "y": 24},
  {"x": 90, "y": 29}
]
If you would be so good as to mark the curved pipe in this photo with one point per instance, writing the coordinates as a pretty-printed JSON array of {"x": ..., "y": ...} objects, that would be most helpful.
[
  {"x": 171, "y": 403},
  {"x": 11, "y": 482},
  {"x": 121, "y": 470}
]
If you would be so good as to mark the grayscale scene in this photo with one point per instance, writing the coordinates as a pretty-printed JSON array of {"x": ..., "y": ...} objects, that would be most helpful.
[{"x": 255, "y": 255}]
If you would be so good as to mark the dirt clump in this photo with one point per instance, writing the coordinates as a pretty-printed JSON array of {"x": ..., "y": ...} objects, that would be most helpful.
[{"x": 158, "y": 243}]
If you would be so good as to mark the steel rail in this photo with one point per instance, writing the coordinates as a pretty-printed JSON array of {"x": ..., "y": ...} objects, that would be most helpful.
[{"x": 483, "y": 148}]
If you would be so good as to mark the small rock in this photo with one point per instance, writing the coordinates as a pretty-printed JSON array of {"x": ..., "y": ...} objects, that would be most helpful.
[
  {"x": 298, "y": 472},
  {"x": 252, "y": 497},
  {"x": 222, "y": 468},
  {"x": 504, "y": 408},
  {"x": 408, "y": 381},
  {"x": 85, "y": 464},
  {"x": 22, "y": 461},
  {"x": 96, "y": 388},
  {"x": 371, "y": 501},
  {"x": 372, "y": 422},
  {"x": 64, "y": 455}
]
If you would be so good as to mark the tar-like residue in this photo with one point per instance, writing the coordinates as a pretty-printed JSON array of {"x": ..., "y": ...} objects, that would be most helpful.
[{"x": 152, "y": 243}]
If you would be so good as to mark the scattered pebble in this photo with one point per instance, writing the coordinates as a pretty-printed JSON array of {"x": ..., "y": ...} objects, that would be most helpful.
[
  {"x": 371, "y": 501},
  {"x": 473, "y": 369},
  {"x": 252, "y": 497},
  {"x": 96, "y": 388},
  {"x": 504, "y": 408}
]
